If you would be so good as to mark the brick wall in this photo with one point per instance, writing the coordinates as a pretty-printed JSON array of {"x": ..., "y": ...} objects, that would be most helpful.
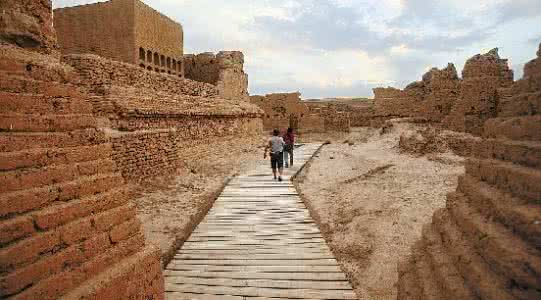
[
  {"x": 163, "y": 37},
  {"x": 122, "y": 30},
  {"x": 98, "y": 72},
  {"x": 67, "y": 226},
  {"x": 154, "y": 120},
  {"x": 224, "y": 70},
  {"x": 145, "y": 154},
  {"x": 104, "y": 28}
]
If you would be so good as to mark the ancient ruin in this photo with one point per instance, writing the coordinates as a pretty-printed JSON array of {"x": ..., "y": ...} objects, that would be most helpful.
[
  {"x": 123, "y": 30},
  {"x": 68, "y": 227},
  {"x": 485, "y": 242},
  {"x": 114, "y": 146},
  {"x": 283, "y": 110}
]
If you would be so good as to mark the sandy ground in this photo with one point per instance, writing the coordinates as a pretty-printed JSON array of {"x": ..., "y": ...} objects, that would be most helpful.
[
  {"x": 371, "y": 202},
  {"x": 171, "y": 206}
]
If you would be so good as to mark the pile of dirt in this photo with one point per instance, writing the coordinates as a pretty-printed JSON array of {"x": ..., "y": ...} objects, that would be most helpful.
[
  {"x": 423, "y": 141},
  {"x": 370, "y": 202}
]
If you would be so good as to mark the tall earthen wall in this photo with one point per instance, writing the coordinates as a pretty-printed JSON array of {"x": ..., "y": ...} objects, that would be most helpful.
[
  {"x": 67, "y": 225},
  {"x": 122, "y": 30},
  {"x": 103, "y": 28},
  {"x": 485, "y": 244}
]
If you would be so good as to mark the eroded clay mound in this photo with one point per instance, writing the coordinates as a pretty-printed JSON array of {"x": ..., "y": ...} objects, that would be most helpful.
[{"x": 486, "y": 242}]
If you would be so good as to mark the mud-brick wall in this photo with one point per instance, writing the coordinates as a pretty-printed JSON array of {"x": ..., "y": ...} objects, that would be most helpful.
[
  {"x": 67, "y": 226},
  {"x": 105, "y": 29},
  {"x": 223, "y": 70},
  {"x": 144, "y": 154},
  {"x": 66, "y": 222},
  {"x": 98, "y": 72}
]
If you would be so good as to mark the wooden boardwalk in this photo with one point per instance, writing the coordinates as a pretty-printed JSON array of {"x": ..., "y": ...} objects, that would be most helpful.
[{"x": 257, "y": 242}]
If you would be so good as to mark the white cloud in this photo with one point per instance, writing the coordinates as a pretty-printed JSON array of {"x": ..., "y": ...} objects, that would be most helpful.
[{"x": 346, "y": 47}]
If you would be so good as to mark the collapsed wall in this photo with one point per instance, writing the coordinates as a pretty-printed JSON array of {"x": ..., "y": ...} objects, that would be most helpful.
[
  {"x": 485, "y": 244},
  {"x": 432, "y": 98},
  {"x": 157, "y": 123},
  {"x": 283, "y": 110},
  {"x": 67, "y": 226},
  {"x": 224, "y": 70},
  {"x": 482, "y": 78}
]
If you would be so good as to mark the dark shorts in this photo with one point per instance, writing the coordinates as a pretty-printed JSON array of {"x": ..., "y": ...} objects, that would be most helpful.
[{"x": 277, "y": 160}]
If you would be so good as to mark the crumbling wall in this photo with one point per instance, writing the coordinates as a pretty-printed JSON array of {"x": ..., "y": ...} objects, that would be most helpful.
[
  {"x": 431, "y": 98},
  {"x": 155, "y": 121},
  {"x": 67, "y": 226},
  {"x": 223, "y": 70},
  {"x": 485, "y": 243},
  {"x": 97, "y": 72},
  {"x": 28, "y": 24},
  {"x": 283, "y": 110},
  {"x": 483, "y": 75}
]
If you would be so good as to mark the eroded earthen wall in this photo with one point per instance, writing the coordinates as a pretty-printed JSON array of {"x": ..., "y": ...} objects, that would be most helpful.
[
  {"x": 224, "y": 70},
  {"x": 485, "y": 243},
  {"x": 283, "y": 110},
  {"x": 155, "y": 121},
  {"x": 67, "y": 226},
  {"x": 29, "y": 30},
  {"x": 482, "y": 78}
]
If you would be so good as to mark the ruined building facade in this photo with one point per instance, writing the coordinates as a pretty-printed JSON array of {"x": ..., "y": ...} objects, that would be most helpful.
[{"x": 123, "y": 30}]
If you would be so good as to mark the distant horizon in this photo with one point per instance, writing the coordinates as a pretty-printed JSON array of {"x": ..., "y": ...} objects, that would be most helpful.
[{"x": 339, "y": 48}]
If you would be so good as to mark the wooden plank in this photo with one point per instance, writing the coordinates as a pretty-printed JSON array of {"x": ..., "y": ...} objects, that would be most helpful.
[
  {"x": 191, "y": 296},
  {"x": 261, "y": 292},
  {"x": 257, "y": 269},
  {"x": 255, "y": 262},
  {"x": 327, "y": 276},
  {"x": 264, "y": 283}
]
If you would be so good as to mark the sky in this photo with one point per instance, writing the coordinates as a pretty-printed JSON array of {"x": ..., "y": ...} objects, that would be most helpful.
[{"x": 344, "y": 48}]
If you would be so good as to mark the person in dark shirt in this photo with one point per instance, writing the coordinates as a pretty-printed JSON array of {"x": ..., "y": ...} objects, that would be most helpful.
[{"x": 289, "y": 139}]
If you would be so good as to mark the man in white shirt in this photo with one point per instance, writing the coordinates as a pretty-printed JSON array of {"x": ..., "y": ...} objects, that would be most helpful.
[{"x": 276, "y": 147}]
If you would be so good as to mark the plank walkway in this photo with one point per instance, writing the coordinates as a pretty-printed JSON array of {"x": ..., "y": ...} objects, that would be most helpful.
[{"x": 257, "y": 242}]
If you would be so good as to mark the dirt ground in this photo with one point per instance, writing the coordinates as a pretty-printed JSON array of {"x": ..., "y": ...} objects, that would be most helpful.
[
  {"x": 170, "y": 207},
  {"x": 371, "y": 201}
]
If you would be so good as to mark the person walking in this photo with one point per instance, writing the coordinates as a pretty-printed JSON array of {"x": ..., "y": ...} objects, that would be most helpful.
[
  {"x": 276, "y": 147},
  {"x": 289, "y": 139}
]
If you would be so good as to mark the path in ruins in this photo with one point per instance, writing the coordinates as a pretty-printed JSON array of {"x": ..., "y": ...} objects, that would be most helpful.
[{"x": 258, "y": 242}]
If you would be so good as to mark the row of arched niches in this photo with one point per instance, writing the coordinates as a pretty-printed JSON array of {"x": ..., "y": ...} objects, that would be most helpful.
[{"x": 154, "y": 61}]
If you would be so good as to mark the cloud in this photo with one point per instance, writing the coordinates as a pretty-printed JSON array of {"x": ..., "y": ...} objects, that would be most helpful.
[{"x": 329, "y": 48}]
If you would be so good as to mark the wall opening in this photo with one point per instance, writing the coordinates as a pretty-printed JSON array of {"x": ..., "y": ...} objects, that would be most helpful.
[
  {"x": 142, "y": 54},
  {"x": 169, "y": 62},
  {"x": 162, "y": 59},
  {"x": 149, "y": 56},
  {"x": 156, "y": 59}
]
